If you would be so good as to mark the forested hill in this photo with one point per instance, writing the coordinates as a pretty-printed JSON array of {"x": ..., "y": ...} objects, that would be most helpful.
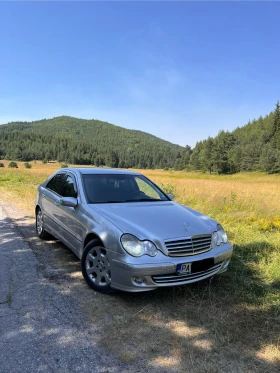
[
  {"x": 80, "y": 141},
  {"x": 256, "y": 146}
]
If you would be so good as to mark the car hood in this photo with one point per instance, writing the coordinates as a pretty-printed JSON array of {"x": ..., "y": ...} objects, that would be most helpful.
[{"x": 156, "y": 220}]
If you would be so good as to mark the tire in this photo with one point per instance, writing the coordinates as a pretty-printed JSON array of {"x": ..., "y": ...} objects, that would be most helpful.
[
  {"x": 40, "y": 229},
  {"x": 96, "y": 267}
]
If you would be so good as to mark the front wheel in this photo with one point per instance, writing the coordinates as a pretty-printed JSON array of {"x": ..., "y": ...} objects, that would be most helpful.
[
  {"x": 96, "y": 267},
  {"x": 40, "y": 229}
]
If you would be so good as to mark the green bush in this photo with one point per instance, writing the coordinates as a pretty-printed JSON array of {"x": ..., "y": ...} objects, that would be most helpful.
[
  {"x": 63, "y": 165},
  {"x": 27, "y": 165},
  {"x": 13, "y": 164},
  {"x": 1, "y": 164}
]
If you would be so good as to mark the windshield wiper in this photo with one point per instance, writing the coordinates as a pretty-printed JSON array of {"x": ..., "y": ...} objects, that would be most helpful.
[
  {"x": 132, "y": 200},
  {"x": 149, "y": 199},
  {"x": 100, "y": 202},
  {"x": 142, "y": 200}
]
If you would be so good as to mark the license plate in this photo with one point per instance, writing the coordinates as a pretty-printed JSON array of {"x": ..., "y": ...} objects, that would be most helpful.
[{"x": 184, "y": 268}]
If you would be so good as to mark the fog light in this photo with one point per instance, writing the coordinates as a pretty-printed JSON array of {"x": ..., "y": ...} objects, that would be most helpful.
[{"x": 139, "y": 281}]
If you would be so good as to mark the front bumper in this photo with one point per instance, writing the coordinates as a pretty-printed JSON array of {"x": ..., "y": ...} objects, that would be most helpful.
[{"x": 147, "y": 276}]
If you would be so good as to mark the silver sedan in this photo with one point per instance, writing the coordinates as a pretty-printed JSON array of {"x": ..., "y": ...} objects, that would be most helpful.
[{"x": 127, "y": 232}]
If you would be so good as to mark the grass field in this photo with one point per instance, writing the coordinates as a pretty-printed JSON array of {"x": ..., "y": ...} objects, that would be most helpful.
[{"x": 228, "y": 324}]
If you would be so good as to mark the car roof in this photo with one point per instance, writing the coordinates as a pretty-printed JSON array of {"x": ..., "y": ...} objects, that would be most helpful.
[{"x": 100, "y": 171}]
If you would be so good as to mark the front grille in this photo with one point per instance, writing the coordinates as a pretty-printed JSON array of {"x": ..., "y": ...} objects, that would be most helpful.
[
  {"x": 191, "y": 277},
  {"x": 189, "y": 246}
]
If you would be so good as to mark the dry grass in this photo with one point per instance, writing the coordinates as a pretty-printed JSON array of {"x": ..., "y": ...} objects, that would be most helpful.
[
  {"x": 228, "y": 324},
  {"x": 19, "y": 185}
]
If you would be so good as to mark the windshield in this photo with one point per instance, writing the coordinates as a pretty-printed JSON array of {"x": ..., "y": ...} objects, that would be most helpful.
[{"x": 100, "y": 188}]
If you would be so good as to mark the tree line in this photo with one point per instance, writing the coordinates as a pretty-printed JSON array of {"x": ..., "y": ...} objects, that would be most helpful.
[{"x": 255, "y": 146}]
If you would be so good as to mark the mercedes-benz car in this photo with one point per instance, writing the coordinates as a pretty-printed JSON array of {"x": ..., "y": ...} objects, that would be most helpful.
[{"x": 129, "y": 234}]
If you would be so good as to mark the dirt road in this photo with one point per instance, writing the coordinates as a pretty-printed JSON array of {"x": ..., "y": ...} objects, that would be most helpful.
[{"x": 46, "y": 308}]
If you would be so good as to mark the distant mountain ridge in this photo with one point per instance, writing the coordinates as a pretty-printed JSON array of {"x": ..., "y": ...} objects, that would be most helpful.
[
  {"x": 255, "y": 146},
  {"x": 81, "y": 141}
]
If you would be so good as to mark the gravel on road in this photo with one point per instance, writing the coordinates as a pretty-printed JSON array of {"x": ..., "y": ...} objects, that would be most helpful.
[{"x": 43, "y": 326}]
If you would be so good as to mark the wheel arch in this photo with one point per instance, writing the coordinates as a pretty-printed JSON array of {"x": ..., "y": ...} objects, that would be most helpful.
[{"x": 92, "y": 236}]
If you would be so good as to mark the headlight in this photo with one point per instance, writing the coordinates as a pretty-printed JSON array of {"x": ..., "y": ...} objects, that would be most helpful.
[
  {"x": 220, "y": 236},
  {"x": 135, "y": 247}
]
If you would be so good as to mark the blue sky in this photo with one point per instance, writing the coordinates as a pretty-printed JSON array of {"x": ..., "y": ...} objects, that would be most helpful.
[{"x": 179, "y": 70}]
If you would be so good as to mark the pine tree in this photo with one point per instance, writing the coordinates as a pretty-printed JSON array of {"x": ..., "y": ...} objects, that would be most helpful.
[{"x": 276, "y": 127}]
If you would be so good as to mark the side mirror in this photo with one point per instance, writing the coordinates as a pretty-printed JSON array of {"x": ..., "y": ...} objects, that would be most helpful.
[
  {"x": 69, "y": 201},
  {"x": 171, "y": 196}
]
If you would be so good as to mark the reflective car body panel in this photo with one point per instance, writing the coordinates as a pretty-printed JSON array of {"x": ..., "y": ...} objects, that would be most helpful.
[{"x": 78, "y": 213}]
